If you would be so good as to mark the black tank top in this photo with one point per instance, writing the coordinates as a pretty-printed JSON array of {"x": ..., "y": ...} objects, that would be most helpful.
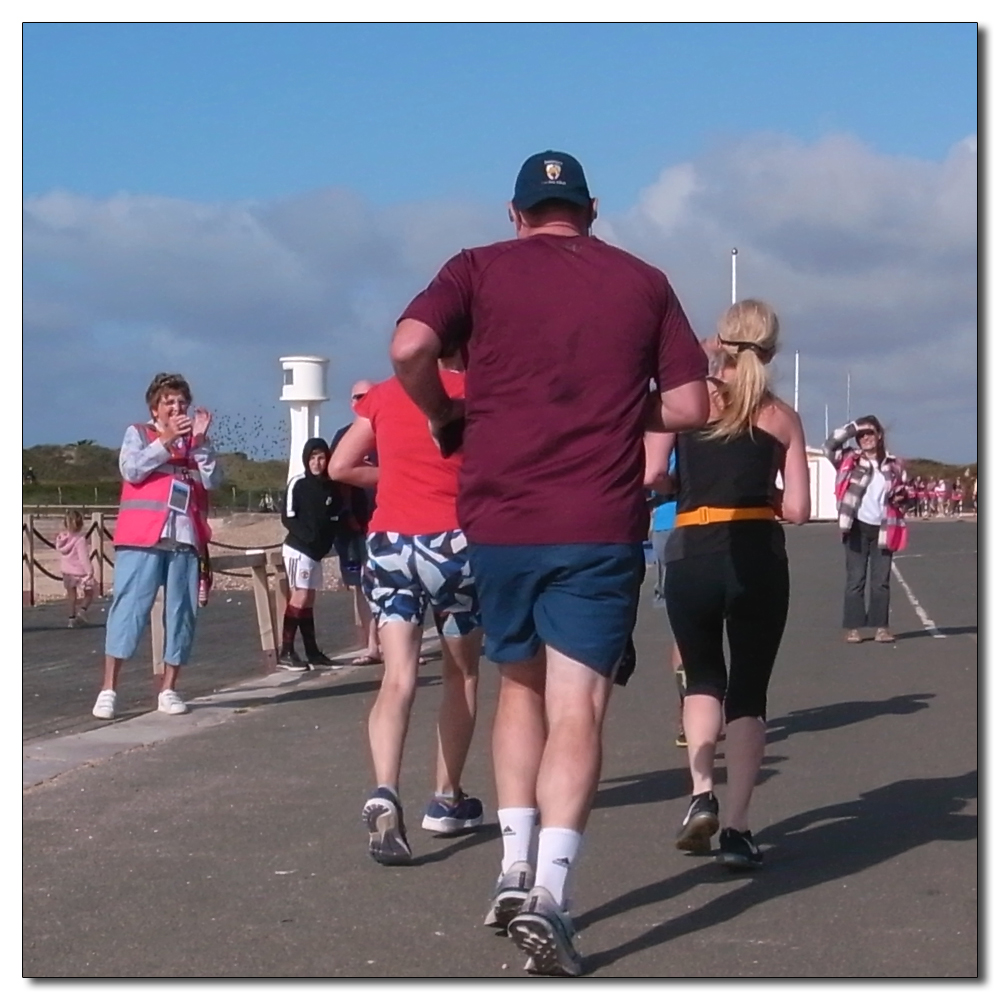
[{"x": 740, "y": 472}]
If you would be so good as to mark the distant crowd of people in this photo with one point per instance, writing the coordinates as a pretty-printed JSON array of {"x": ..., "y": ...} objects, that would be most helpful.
[
  {"x": 545, "y": 388},
  {"x": 927, "y": 497}
]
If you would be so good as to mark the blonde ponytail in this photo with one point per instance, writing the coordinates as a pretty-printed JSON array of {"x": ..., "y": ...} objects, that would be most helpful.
[{"x": 748, "y": 338}]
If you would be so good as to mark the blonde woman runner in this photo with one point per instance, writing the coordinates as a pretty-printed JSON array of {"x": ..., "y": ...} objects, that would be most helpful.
[{"x": 727, "y": 569}]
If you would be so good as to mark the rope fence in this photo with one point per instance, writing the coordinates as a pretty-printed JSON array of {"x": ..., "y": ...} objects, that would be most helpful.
[{"x": 101, "y": 553}]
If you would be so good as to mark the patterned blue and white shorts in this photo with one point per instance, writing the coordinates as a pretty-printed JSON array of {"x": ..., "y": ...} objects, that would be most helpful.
[{"x": 406, "y": 574}]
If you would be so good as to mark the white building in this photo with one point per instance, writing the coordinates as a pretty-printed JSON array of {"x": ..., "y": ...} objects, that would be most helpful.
[
  {"x": 821, "y": 480},
  {"x": 304, "y": 389}
]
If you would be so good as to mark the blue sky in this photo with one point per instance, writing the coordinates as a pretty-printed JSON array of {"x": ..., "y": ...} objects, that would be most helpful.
[{"x": 215, "y": 195}]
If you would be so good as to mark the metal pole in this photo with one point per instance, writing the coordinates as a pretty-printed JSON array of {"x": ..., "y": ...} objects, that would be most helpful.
[
  {"x": 848, "y": 396},
  {"x": 795, "y": 404},
  {"x": 735, "y": 252},
  {"x": 826, "y": 421}
]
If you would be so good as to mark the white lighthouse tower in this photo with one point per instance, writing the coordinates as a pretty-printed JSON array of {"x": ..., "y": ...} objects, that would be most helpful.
[{"x": 304, "y": 389}]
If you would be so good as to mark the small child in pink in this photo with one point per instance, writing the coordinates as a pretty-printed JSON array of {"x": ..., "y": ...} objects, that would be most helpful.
[{"x": 74, "y": 564}]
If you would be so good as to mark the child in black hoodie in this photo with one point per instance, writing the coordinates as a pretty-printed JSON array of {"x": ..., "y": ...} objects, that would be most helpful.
[{"x": 311, "y": 514}]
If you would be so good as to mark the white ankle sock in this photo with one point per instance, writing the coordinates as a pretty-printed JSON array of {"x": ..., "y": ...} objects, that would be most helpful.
[
  {"x": 558, "y": 849},
  {"x": 517, "y": 829}
]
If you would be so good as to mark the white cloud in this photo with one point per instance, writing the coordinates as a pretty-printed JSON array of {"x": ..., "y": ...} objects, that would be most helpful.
[{"x": 871, "y": 261}]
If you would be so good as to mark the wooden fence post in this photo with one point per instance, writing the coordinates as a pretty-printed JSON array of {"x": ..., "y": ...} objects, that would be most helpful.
[
  {"x": 265, "y": 618},
  {"x": 100, "y": 553},
  {"x": 28, "y": 565},
  {"x": 156, "y": 632}
]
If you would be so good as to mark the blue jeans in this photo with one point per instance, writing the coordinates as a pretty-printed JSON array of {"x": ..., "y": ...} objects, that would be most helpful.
[{"x": 139, "y": 573}]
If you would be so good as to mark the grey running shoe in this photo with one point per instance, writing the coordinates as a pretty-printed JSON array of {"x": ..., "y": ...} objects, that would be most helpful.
[
  {"x": 738, "y": 850},
  {"x": 509, "y": 894},
  {"x": 700, "y": 823},
  {"x": 544, "y": 932},
  {"x": 383, "y": 815}
]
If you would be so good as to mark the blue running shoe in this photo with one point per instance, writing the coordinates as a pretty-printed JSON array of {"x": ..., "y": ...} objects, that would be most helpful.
[
  {"x": 453, "y": 815},
  {"x": 383, "y": 815}
]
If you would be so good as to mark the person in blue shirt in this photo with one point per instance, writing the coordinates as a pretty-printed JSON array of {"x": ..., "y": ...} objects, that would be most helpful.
[{"x": 664, "y": 510}]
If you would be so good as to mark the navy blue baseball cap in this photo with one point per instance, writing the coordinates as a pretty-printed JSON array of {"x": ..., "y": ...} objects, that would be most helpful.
[{"x": 550, "y": 175}]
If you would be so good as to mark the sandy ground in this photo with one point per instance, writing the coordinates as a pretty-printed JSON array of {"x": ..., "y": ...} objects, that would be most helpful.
[{"x": 243, "y": 530}]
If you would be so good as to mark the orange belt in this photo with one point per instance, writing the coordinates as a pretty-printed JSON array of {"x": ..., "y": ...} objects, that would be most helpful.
[{"x": 714, "y": 515}]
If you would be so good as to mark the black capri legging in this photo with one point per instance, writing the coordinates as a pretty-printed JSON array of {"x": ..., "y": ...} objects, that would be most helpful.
[{"x": 749, "y": 594}]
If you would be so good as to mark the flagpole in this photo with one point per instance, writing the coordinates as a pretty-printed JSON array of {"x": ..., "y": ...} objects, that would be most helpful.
[
  {"x": 735, "y": 251},
  {"x": 848, "y": 396},
  {"x": 826, "y": 421},
  {"x": 795, "y": 404}
]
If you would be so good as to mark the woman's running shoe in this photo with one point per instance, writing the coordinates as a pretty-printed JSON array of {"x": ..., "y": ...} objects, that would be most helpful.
[
  {"x": 700, "y": 823},
  {"x": 383, "y": 816},
  {"x": 738, "y": 850}
]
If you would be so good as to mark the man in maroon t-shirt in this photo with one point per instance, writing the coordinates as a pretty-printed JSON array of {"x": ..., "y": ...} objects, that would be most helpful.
[{"x": 563, "y": 334}]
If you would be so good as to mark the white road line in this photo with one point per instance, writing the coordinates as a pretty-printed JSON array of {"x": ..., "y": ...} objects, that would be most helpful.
[
  {"x": 936, "y": 555},
  {"x": 929, "y": 625}
]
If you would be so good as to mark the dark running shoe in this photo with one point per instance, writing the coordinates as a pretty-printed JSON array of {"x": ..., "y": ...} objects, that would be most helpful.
[
  {"x": 700, "y": 823},
  {"x": 453, "y": 815},
  {"x": 738, "y": 850},
  {"x": 321, "y": 661},
  {"x": 383, "y": 816},
  {"x": 544, "y": 932},
  {"x": 291, "y": 661}
]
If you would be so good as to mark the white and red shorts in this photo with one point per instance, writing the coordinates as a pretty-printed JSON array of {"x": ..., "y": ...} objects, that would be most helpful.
[{"x": 303, "y": 573}]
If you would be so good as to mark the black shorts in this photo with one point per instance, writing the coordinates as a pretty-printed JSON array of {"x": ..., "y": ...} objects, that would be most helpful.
[{"x": 748, "y": 596}]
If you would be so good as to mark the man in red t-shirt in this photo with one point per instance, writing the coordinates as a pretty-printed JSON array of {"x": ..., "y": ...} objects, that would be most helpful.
[
  {"x": 417, "y": 557},
  {"x": 563, "y": 334}
]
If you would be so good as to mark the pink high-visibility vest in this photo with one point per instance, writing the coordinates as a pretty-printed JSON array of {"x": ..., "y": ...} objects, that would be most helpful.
[{"x": 143, "y": 507}]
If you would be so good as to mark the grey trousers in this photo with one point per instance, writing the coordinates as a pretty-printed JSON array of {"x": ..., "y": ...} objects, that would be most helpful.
[{"x": 866, "y": 562}]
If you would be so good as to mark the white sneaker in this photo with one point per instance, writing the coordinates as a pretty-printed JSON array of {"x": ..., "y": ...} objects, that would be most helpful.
[
  {"x": 171, "y": 702},
  {"x": 104, "y": 707},
  {"x": 81, "y": 618}
]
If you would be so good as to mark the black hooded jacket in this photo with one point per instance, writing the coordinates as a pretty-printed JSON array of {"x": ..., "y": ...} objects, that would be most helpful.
[{"x": 313, "y": 508}]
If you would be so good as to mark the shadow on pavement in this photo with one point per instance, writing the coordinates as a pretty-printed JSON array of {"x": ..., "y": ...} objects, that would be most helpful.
[
  {"x": 63, "y": 627},
  {"x": 459, "y": 842},
  {"x": 242, "y": 699},
  {"x": 660, "y": 786},
  {"x": 944, "y": 630},
  {"x": 844, "y": 713},
  {"x": 814, "y": 847}
]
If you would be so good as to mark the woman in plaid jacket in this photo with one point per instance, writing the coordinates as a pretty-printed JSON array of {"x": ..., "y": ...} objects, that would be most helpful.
[{"x": 871, "y": 496}]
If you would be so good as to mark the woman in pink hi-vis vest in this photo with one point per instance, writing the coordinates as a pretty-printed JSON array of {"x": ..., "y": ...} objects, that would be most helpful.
[{"x": 168, "y": 466}]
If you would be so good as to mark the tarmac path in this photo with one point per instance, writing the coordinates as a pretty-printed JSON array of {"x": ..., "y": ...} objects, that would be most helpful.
[{"x": 228, "y": 842}]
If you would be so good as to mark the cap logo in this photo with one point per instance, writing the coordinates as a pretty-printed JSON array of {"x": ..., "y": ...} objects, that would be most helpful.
[{"x": 553, "y": 168}]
